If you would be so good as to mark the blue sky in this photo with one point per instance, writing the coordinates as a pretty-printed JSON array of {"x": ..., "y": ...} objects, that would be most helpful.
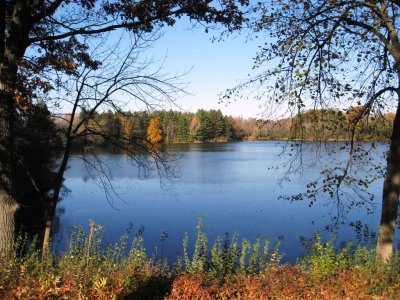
[{"x": 213, "y": 67}]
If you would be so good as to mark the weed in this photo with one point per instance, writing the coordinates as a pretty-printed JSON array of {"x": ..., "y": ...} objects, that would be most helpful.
[
  {"x": 228, "y": 257},
  {"x": 230, "y": 269},
  {"x": 322, "y": 258}
]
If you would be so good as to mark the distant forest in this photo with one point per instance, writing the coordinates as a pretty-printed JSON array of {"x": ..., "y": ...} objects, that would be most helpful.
[{"x": 213, "y": 126}]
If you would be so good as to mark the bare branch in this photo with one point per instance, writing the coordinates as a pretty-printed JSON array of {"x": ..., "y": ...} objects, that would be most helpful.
[{"x": 47, "y": 11}]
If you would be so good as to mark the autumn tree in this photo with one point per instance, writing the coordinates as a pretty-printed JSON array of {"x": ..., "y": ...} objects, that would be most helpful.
[
  {"x": 154, "y": 131},
  {"x": 335, "y": 54},
  {"x": 44, "y": 42}
]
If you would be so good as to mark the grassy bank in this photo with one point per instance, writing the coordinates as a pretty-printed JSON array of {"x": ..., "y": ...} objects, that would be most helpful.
[{"x": 231, "y": 269}]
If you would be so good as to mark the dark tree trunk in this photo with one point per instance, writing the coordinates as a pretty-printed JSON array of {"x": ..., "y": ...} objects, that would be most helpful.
[
  {"x": 391, "y": 192},
  {"x": 51, "y": 210},
  {"x": 8, "y": 204},
  {"x": 8, "y": 208},
  {"x": 13, "y": 43}
]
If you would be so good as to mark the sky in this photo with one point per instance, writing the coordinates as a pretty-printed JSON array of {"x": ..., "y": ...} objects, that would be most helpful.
[
  {"x": 213, "y": 67},
  {"x": 210, "y": 68}
]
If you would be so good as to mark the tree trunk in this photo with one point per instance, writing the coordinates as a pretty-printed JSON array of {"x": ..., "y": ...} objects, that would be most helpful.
[
  {"x": 51, "y": 210},
  {"x": 13, "y": 43},
  {"x": 8, "y": 204},
  {"x": 7, "y": 221},
  {"x": 49, "y": 216},
  {"x": 391, "y": 193}
]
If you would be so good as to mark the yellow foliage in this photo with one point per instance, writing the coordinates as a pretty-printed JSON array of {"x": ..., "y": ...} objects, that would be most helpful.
[
  {"x": 67, "y": 64},
  {"x": 154, "y": 131}
]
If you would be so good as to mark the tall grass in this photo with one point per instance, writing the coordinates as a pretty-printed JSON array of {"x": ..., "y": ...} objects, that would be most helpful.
[
  {"x": 229, "y": 269},
  {"x": 228, "y": 256}
]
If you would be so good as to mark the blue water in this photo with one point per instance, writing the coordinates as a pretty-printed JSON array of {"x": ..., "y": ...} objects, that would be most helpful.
[{"x": 233, "y": 186}]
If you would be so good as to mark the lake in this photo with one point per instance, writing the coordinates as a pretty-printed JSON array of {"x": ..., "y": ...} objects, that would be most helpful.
[{"x": 235, "y": 187}]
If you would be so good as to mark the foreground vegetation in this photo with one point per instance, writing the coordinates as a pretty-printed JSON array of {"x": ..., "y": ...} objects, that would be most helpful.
[{"x": 229, "y": 270}]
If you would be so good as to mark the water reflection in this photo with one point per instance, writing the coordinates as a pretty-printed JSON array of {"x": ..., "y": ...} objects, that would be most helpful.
[{"x": 230, "y": 184}]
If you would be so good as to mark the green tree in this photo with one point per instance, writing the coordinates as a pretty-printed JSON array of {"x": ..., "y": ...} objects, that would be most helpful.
[
  {"x": 228, "y": 128},
  {"x": 140, "y": 122},
  {"x": 204, "y": 130},
  {"x": 329, "y": 54},
  {"x": 44, "y": 42},
  {"x": 168, "y": 120},
  {"x": 218, "y": 123},
  {"x": 112, "y": 126},
  {"x": 211, "y": 125},
  {"x": 182, "y": 127}
]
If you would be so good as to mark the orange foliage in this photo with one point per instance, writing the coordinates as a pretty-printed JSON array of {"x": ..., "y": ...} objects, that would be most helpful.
[
  {"x": 154, "y": 131},
  {"x": 354, "y": 112},
  {"x": 22, "y": 102},
  {"x": 284, "y": 282},
  {"x": 60, "y": 63}
]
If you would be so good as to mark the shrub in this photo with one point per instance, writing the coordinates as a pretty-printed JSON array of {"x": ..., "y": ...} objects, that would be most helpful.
[{"x": 229, "y": 270}]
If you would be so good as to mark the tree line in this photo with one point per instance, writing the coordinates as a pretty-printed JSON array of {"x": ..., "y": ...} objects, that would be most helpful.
[
  {"x": 331, "y": 125},
  {"x": 212, "y": 126},
  {"x": 174, "y": 126}
]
